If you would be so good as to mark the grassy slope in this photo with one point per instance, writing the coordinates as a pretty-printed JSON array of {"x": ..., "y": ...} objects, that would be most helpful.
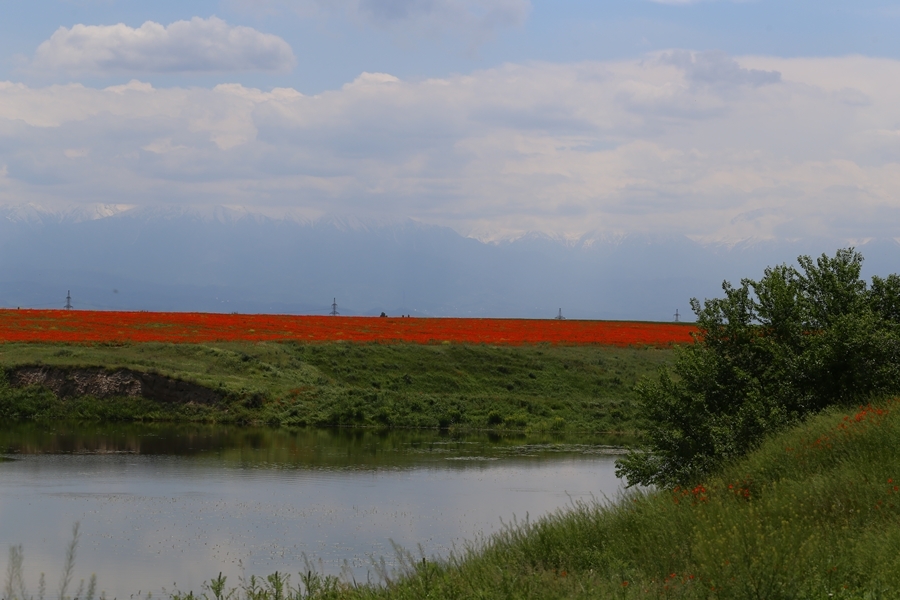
[
  {"x": 584, "y": 388},
  {"x": 814, "y": 513}
]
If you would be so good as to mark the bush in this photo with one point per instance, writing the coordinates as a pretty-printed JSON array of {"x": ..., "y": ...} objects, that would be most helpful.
[{"x": 766, "y": 355}]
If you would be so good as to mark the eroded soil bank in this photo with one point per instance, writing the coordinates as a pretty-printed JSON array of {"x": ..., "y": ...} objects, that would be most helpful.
[{"x": 101, "y": 383}]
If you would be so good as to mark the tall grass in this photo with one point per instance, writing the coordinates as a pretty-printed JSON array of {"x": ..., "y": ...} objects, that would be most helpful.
[{"x": 16, "y": 589}]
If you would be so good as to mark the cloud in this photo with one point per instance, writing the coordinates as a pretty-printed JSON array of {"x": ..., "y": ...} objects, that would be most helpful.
[
  {"x": 686, "y": 2},
  {"x": 715, "y": 67},
  {"x": 707, "y": 145},
  {"x": 198, "y": 45},
  {"x": 480, "y": 15},
  {"x": 474, "y": 20}
]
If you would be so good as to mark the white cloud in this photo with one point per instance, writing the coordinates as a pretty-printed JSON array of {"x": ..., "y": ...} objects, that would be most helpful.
[
  {"x": 706, "y": 145},
  {"x": 198, "y": 45},
  {"x": 474, "y": 20},
  {"x": 685, "y": 2}
]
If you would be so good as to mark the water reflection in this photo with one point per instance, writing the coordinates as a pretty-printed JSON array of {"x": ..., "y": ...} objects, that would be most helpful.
[
  {"x": 324, "y": 448},
  {"x": 160, "y": 505}
]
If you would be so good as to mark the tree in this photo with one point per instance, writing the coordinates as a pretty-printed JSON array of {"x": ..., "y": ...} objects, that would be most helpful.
[{"x": 766, "y": 355}]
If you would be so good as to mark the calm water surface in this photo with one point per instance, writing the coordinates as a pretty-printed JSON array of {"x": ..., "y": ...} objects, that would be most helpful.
[{"x": 166, "y": 506}]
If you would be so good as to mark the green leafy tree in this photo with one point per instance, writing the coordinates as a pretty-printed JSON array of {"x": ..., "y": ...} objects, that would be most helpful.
[{"x": 768, "y": 353}]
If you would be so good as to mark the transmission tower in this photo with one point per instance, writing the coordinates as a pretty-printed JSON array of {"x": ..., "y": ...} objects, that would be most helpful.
[
  {"x": 334, "y": 312},
  {"x": 559, "y": 317},
  {"x": 68, "y": 300},
  {"x": 677, "y": 316}
]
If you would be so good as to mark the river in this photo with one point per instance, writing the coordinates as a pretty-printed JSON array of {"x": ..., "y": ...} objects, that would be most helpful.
[{"x": 164, "y": 507}]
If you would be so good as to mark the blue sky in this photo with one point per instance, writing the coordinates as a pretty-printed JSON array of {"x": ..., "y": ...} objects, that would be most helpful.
[
  {"x": 716, "y": 119},
  {"x": 334, "y": 46}
]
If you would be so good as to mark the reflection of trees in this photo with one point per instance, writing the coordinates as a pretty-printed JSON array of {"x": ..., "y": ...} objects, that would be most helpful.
[{"x": 269, "y": 447}]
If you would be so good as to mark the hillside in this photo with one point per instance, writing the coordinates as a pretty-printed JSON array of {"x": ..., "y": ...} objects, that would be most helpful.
[{"x": 460, "y": 387}]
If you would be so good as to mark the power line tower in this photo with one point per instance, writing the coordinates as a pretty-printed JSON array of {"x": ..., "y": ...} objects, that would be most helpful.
[
  {"x": 334, "y": 312},
  {"x": 559, "y": 317},
  {"x": 677, "y": 316},
  {"x": 68, "y": 300}
]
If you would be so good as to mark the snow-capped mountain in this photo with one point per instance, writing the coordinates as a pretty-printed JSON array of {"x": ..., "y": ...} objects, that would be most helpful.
[{"x": 236, "y": 259}]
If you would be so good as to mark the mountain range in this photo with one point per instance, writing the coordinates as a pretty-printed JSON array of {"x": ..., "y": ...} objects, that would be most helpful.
[{"x": 232, "y": 259}]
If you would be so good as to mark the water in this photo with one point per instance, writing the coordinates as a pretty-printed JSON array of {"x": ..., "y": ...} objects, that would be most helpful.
[{"x": 163, "y": 506}]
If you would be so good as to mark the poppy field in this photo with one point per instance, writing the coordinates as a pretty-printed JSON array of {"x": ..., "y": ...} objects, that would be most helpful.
[{"x": 60, "y": 326}]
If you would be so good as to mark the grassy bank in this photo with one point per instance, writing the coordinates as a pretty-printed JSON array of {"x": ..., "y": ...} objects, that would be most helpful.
[
  {"x": 813, "y": 513},
  {"x": 538, "y": 388}
]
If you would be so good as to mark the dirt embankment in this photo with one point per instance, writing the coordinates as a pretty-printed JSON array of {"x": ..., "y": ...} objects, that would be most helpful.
[{"x": 100, "y": 383}]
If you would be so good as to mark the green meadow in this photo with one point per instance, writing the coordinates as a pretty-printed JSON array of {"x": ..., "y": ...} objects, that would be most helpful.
[{"x": 459, "y": 387}]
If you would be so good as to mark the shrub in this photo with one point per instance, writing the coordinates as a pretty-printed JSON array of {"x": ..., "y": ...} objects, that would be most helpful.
[{"x": 766, "y": 355}]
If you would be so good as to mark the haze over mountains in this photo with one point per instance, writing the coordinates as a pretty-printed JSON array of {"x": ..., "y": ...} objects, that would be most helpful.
[{"x": 232, "y": 260}]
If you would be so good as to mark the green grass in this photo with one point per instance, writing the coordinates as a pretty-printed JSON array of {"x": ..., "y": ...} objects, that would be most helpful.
[
  {"x": 462, "y": 387},
  {"x": 813, "y": 513}
]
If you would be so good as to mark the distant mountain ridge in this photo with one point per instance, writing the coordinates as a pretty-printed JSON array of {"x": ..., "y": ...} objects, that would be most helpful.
[{"x": 229, "y": 259}]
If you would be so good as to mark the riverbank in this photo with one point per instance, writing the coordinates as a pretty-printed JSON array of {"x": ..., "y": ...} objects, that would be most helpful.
[
  {"x": 813, "y": 513},
  {"x": 160, "y": 503},
  {"x": 538, "y": 388}
]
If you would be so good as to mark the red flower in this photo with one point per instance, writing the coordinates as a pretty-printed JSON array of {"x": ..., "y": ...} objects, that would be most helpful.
[{"x": 134, "y": 327}]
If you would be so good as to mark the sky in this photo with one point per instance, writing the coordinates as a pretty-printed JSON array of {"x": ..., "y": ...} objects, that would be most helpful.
[{"x": 719, "y": 120}]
